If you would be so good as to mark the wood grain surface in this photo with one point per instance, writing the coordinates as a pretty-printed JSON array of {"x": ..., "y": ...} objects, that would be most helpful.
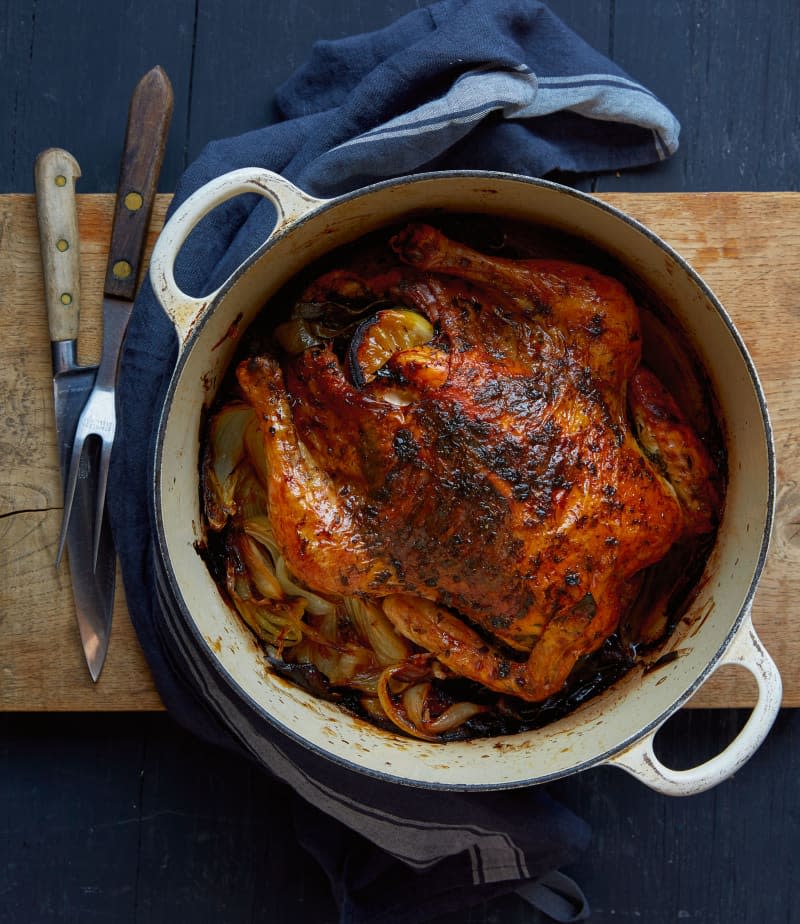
[
  {"x": 743, "y": 244},
  {"x": 125, "y": 817}
]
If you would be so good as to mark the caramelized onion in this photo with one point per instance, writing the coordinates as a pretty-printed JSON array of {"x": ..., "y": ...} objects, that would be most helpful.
[
  {"x": 250, "y": 496},
  {"x": 454, "y": 716},
  {"x": 405, "y": 699},
  {"x": 344, "y": 664},
  {"x": 394, "y": 708},
  {"x": 260, "y": 568},
  {"x": 314, "y": 603},
  {"x": 371, "y": 623},
  {"x": 276, "y": 622},
  {"x": 414, "y": 701},
  {"x": 254, "y": 446},
  {"x": 224, "y": 451}
]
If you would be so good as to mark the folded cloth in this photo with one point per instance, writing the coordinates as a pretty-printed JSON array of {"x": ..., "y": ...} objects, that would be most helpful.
[
  {"x": 494, "y": 84},
  {"x": 372, "y": 887},
  {"x": 461, "y": 84}
]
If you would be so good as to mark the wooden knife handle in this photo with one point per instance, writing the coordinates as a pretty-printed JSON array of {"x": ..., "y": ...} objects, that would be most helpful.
[
  {"x": 55, "y": 173},
  {"x": 149, "y": 117}
]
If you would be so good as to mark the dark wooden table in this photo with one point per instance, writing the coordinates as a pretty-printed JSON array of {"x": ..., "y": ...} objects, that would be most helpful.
[{"x": 124, "y": 818}]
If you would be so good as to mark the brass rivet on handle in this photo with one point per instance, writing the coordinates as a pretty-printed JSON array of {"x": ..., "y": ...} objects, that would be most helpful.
[
  {"x": 133, "y": 201},
  {"x": 62, "y": 245},
  {"x": 121, "y": 269},
  {"x": 66, "y": 298},
  {"x": 60, "y": 180}
]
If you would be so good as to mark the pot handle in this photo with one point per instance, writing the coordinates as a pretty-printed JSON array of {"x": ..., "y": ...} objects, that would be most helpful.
[
  {"x": 640, "y": 760},
  {"x": 290, "y": 204}
]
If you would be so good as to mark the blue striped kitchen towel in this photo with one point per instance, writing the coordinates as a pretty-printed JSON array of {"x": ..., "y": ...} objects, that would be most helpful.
[
  {"x": 478, "y": 84},
  {"x": 461, "y": 84}
]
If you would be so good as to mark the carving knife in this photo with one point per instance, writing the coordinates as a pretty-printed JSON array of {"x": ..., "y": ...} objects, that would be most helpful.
[{"x": 56, "y": 172}]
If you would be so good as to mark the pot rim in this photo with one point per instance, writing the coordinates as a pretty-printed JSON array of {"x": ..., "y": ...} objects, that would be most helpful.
[{"x": 168, "y": 585}]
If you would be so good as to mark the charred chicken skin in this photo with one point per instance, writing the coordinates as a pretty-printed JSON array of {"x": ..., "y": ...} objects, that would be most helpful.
[{"x": 502, "y": 486}]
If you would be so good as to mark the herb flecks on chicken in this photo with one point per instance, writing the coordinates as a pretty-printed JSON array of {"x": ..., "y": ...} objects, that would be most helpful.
[{"x": 487, "y": 485}]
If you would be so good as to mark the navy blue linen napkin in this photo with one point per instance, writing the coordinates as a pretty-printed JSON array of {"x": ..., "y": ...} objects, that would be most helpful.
[{"x": 460, "y": 84}]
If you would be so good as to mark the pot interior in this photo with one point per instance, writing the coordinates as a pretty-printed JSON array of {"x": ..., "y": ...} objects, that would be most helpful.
[{"x": 634, "y": 704}]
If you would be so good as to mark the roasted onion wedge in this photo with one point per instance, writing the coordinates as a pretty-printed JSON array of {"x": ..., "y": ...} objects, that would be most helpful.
[{"x": 224, "y": 451}]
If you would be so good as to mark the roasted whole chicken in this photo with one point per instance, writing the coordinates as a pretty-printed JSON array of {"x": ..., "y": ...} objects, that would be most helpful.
[{"x": 501, "y": 482}]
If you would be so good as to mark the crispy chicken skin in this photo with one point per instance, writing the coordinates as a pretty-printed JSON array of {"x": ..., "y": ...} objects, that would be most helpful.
[{"x": 504, "y": 509}]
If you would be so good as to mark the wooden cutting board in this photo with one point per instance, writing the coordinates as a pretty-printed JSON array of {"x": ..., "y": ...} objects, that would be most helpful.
[{"x": 745, "y": 245}]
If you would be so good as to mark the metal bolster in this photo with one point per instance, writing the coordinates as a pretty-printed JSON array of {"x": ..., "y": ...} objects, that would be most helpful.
[{"x": 64, "y": 354}]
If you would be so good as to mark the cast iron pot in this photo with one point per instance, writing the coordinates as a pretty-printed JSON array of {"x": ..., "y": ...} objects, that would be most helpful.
[{"x": 616, "y": 727}]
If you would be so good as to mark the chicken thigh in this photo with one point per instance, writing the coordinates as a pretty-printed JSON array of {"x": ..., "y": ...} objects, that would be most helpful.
[{"x": 499, "y": 487}]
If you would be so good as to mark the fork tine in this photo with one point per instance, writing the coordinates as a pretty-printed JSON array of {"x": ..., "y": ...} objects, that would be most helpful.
[
  {"x": 100, "y": 506},
  {"x": 69, "y": 493}
]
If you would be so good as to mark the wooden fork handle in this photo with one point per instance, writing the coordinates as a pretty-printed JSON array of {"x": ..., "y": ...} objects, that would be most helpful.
[{"x": 149, "y": 118}]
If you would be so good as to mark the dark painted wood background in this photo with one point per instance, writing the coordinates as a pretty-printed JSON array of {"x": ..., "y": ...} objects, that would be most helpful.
[{"x": 124, "y": 818}]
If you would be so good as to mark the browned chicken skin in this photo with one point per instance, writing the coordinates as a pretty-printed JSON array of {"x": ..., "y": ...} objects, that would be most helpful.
[{"x": 502, "y": 507}]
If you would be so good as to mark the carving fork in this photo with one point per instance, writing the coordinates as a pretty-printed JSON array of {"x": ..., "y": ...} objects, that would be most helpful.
[{"x": 149, "y": 117}]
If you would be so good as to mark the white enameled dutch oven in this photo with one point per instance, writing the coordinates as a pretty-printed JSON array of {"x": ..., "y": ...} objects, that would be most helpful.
[{"x": 618, "y": 726}]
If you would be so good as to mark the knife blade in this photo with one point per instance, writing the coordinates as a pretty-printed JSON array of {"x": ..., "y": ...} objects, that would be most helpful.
[{"x": 55, "y": 174}]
